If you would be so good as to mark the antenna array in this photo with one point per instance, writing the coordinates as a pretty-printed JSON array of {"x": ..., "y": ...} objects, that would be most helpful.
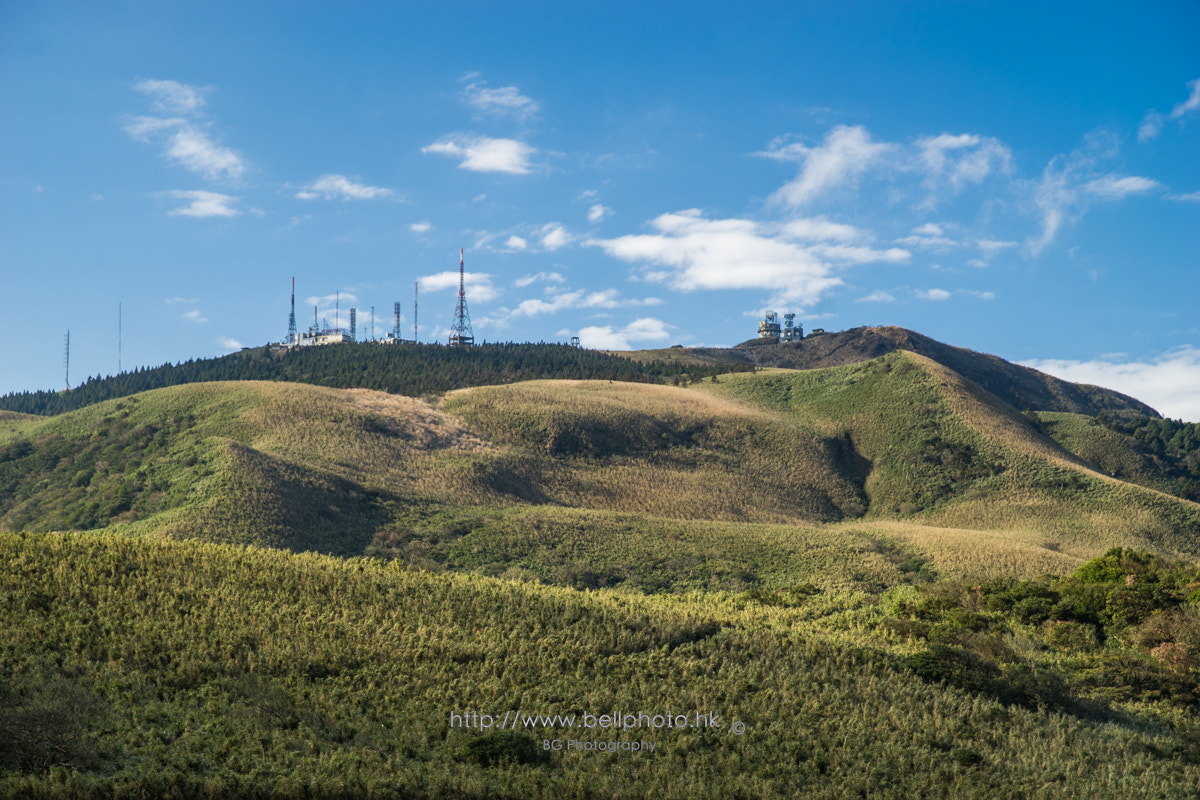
[{"x": 460, "y": 329}]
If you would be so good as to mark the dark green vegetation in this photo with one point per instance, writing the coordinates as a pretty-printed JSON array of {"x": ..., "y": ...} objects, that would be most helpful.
[
  {"x": 412, "y": 370},
  {"x": 1125, "y": 626},
  {"x": 137, "y": 668},
  {"x": 901, "y": 583}
]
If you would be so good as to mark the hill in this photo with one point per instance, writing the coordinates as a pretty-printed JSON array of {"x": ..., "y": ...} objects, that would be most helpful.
[
  {"x": 413, "y": 370},
  {"x": 493, "y": 478},
  {"x": 1021, "y": 387}
]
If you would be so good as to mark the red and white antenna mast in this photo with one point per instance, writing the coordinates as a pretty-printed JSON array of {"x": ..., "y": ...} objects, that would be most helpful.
[{"x": 460, "y": 328}]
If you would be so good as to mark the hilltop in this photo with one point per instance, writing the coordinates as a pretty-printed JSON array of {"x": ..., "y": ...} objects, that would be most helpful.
[{"x": 1021, "y": 387}]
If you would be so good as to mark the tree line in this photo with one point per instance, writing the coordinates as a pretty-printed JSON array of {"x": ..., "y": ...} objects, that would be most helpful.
[{"x": 1172, "y": 443}]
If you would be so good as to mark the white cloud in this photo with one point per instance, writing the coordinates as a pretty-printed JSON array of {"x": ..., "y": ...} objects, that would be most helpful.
[
  {"x": 841, "y": 158},
  {"x": 1169, "y": 383},
  {"x": 877, "y": 296},
  {"x": 142, "y": 128},
  {"x": 192, "y": 149},
  {"x": 203, "y": 204},
  {"x": 1190, "y": 197},
  {"x": 334, "y": 186},
  {"x": 861, "y": 255},
  {"x": 515, "y": 242},
  {"x": 1114, "y": 187},
  {"x": 332, "y": 300},
  {"x": 963, "y": 159},
  {"x": 173, "y": 97},
  {"x": 992, "y": 246},
  {"x": 588, "y": 194},
  {"x": 1153, "y": 122},
  {"x": 983, "y": 295},
  {"x": 187, "y": 143},
  {"x": 928, "y": 236},
  {"x": 934, "y": 294},
  {"x": 598, "y": 212},
  {"x": 554, "y": 236},
  {"x": 549, "y": 277},
  {"x": 821, "y": 229},
  {"x": 1151, "y": 126},
  {"x": 1189, "y": 105},
  {"x": 646, "y": 329},
  {"x": 229, "y": 344},
  {"x": 193, "y": 316},
  {"x": 420, "y": 227},
  {"x": 188, "y": 300},
  {"x": 478, "y": 285},
  {"x": 561, "y": 300},
  {"x": 481, "y": 154},
  {"x": 1069, "y": 181},
  {"x": 504, "y": 101},
  {"x": 698, "y": 253}
]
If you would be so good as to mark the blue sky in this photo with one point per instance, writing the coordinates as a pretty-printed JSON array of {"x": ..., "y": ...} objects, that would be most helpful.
[{"x": 1017, "y": 178}]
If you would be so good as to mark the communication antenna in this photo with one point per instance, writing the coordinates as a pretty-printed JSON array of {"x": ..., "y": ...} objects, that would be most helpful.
[
  {"x": 416, "y": 286},
  {"x": 353, "y": 328},
  {"x": 396, "y": 319},
  {"x": 291, "y": 338},
  {"x": 67, "y": 358},
  {"x": 372, "y": 323},
  {"x": 460, "y": 328}
]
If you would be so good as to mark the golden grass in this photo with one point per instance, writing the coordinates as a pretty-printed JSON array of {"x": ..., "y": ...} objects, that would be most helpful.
[{"x": 663, "y": 451}]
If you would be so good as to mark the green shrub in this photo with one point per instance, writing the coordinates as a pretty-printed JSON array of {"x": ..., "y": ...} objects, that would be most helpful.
[{"x": 501, "y": 747}]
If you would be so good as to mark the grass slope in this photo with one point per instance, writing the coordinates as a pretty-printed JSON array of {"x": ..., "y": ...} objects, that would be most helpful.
[
  {"x": 139, "y": 668},
  {"x": 944, "y": 451},
  {"x": 1021, "y": 387}
]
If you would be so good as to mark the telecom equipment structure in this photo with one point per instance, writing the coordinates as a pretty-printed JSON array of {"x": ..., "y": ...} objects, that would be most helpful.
[
  {"x": 460, "y": 329},
  {"x": 291, "y": 337},
  {"x": 791, "y": 331},
  {"x": 769, "y": 327}
]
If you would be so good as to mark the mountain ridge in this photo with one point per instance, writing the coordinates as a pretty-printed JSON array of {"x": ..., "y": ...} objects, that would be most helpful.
[{"x": 1023, "y": 388}]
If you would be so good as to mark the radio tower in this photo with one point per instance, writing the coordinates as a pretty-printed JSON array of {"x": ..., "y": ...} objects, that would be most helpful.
[
  {"x": 460, "y": 328},
  {"x": 292, "y": 316}
]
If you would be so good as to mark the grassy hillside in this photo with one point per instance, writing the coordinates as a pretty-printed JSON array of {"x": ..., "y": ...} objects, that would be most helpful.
[
  {"x": 662, "y": 450},
  {"x": 1020, "y": 387},
  {"x": 943, "y": 451},
  {"x": 900, "y": 448},
  {"x": 153, "y": 668},
  {"x": 412, "y": 370}
]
